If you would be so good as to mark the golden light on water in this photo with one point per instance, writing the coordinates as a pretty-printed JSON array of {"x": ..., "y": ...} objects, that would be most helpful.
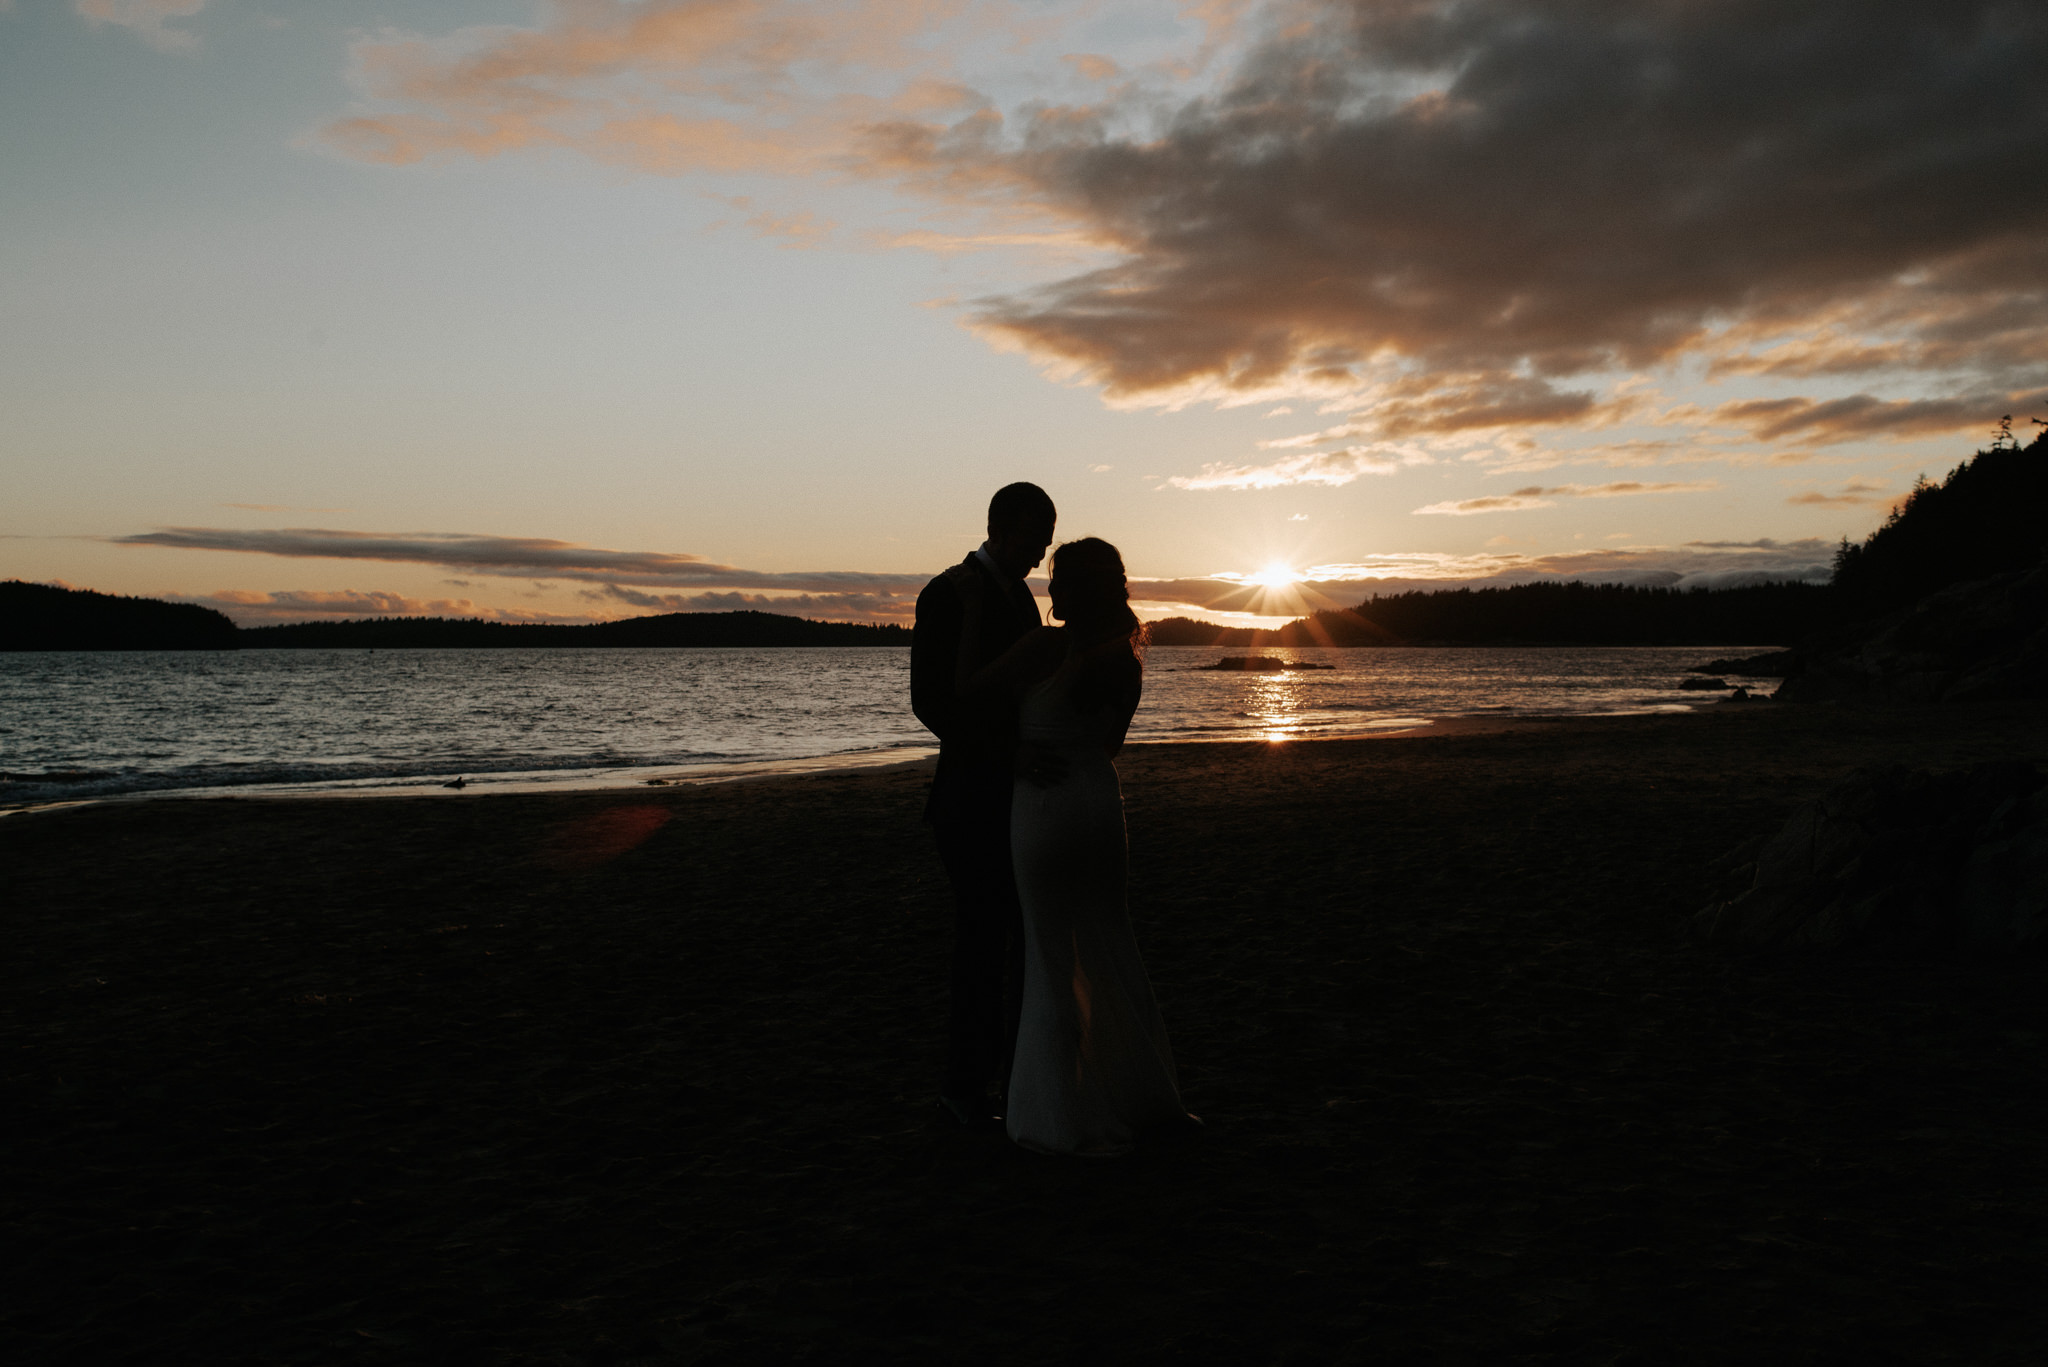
[{"x": 1276, "y": 702}]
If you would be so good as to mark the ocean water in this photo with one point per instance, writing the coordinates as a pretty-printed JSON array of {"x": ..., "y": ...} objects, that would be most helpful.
[{"x": 88, "y": 724}]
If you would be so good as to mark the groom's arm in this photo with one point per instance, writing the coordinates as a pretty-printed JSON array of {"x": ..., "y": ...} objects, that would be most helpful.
[{"x": 935, "y": 655}]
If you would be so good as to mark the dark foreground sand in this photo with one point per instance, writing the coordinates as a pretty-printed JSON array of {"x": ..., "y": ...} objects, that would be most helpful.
[{"x": 645, "y": 1077}]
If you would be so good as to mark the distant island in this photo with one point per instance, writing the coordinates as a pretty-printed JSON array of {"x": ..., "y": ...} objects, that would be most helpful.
[
  {"x": 1981, "y": 522},
  {"x": 1548, "y": 613},
  {"x": 45, "y": 617},
  {"x": 672, "y": 629},
  {"x": 40, "y": 617}
]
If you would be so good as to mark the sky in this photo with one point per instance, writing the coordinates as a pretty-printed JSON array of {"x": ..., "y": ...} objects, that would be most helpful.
[{"x": 566, "y": 310}]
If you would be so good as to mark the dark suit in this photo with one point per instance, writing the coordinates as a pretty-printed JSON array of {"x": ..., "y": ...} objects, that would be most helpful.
[{"x": 969, "y": 810}]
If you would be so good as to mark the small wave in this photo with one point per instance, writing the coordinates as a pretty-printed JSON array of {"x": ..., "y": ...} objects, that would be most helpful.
[
  {"x": 75, "y": 784},
  {"x": 57, "y": 787}
]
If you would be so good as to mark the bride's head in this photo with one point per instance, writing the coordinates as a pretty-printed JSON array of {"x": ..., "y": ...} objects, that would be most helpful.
[{"x": 1089, "y": 593}]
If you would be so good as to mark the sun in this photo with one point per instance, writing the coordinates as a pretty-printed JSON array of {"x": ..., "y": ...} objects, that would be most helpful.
[{"x": 1274, "y": 576}]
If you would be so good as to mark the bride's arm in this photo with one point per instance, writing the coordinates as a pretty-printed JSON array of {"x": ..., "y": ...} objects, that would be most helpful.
[
  {"x": 1124, "y": 704},
  {"x": 1034, "y": 655}
]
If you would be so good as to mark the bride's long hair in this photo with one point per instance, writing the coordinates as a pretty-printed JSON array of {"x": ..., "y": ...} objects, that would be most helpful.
[{"x": 1095, "y": 604}]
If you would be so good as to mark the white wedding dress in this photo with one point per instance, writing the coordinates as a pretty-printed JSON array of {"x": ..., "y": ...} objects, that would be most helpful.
[{"x": 1093, "y": 1066}]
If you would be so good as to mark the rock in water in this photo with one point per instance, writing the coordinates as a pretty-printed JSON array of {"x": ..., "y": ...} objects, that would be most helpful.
[
  {"x": 1902, "y": 860},
  {"x": 1258, "y": 663}
]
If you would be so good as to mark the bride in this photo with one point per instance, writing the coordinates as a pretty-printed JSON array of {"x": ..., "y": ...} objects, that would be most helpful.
[{"x": 1093, "y": 1068}]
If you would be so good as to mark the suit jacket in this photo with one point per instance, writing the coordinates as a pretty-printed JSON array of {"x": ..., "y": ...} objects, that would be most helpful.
[{"x": 977, "y": 744}]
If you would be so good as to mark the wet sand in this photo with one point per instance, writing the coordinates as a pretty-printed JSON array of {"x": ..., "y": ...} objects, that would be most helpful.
[{"x": 621, "y": 1077}]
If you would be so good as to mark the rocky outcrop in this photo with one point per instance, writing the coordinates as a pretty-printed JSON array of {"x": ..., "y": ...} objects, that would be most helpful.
[
  {"x": 1261, "y": 664},
  {"x": 1986, "y": 639},
  {"x": 1900, "y": 860},
  {"x": 1774, "y": 664}
]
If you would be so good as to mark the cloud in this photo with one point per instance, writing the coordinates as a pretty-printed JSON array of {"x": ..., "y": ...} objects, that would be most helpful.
[
  {"x": 1763, "y": 543},
  {"x": 665, "y": 87},
  {"x": 1523, "y": 190},
  {"x": 145, "y": 18},
  {"x": 1495, "y": 503},
  {"x": 1442, "y": 217},
  {"x": 1455, "y": 218},
  {"x": 1862, "y": 415},
  {"x": 1536, "y": 496},
  {"x": 798, "y": 229},
  {"x": 520, "y": 558},
  {"x": 1856, "y": 493},
  {"x": 1332, "y": 468}
]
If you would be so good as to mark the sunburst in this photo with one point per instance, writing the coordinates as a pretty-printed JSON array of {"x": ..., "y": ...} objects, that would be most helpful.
[{"x": 1274, "y": 576}]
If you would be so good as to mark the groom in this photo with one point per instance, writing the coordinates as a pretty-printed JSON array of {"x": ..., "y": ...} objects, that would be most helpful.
[{"x": 969, "y": 808}]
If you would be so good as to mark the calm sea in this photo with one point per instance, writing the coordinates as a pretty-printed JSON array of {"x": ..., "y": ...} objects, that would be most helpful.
[{"x": 93, "y": 724}]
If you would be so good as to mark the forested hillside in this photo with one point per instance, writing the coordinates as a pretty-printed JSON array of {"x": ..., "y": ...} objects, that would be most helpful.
[
  {"x": 1988, "y": 516},
  {"x": 45, "y": 617}
]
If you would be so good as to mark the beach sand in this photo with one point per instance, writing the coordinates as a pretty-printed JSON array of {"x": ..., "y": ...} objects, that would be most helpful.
[{"x": 623, "y": 1077}]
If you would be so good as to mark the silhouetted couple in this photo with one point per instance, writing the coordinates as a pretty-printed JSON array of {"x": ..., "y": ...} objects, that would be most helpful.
[{"x": 1054, "y": 1031}]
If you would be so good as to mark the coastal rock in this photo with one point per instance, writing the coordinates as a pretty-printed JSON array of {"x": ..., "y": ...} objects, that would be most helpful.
[
  {"x": 1901, "y": 860},
  {"x": 1262, "y": 664},
  {"x": 1981, "y": 640},
  {"x": 1255, "y": 663},
  {"x": 1714, "y": 685},
  {"x": 1774, "y": 664}
]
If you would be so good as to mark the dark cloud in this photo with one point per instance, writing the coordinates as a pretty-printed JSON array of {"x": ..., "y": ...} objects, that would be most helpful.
[
  {"x": 1447, "y": 217},
  {"x": 1493, "y": 195},
  {"x": 520, "y": 558},
  {"x": 1858, "y": 416}
]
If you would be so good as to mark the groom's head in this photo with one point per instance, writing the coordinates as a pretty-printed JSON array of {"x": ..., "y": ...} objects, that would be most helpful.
[{"x": 1020, "y": 521}]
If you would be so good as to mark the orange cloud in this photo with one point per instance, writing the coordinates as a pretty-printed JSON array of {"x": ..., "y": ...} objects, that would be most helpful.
[
  {"x": 1331, "y": 468},
  {"x": 667, "y": 87},
  {"x": 1855, "y": 494},
  {"x": 145, "y": 19},
  {"x": 514, "y": 557},
  {"x": 1536, "y": 496}
]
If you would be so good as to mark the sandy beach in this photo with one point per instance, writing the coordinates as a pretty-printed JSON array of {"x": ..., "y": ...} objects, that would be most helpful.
[{"x": 647, "y": 1076}]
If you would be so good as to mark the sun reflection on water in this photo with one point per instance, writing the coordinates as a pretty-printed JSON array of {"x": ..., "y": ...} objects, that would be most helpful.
[{"x": 1274, "y": 704}]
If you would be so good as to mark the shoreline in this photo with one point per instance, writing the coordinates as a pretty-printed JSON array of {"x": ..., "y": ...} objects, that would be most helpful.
[
  {"x": 636, "y": 777},
  {"x": 647, "y": 1074}
]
